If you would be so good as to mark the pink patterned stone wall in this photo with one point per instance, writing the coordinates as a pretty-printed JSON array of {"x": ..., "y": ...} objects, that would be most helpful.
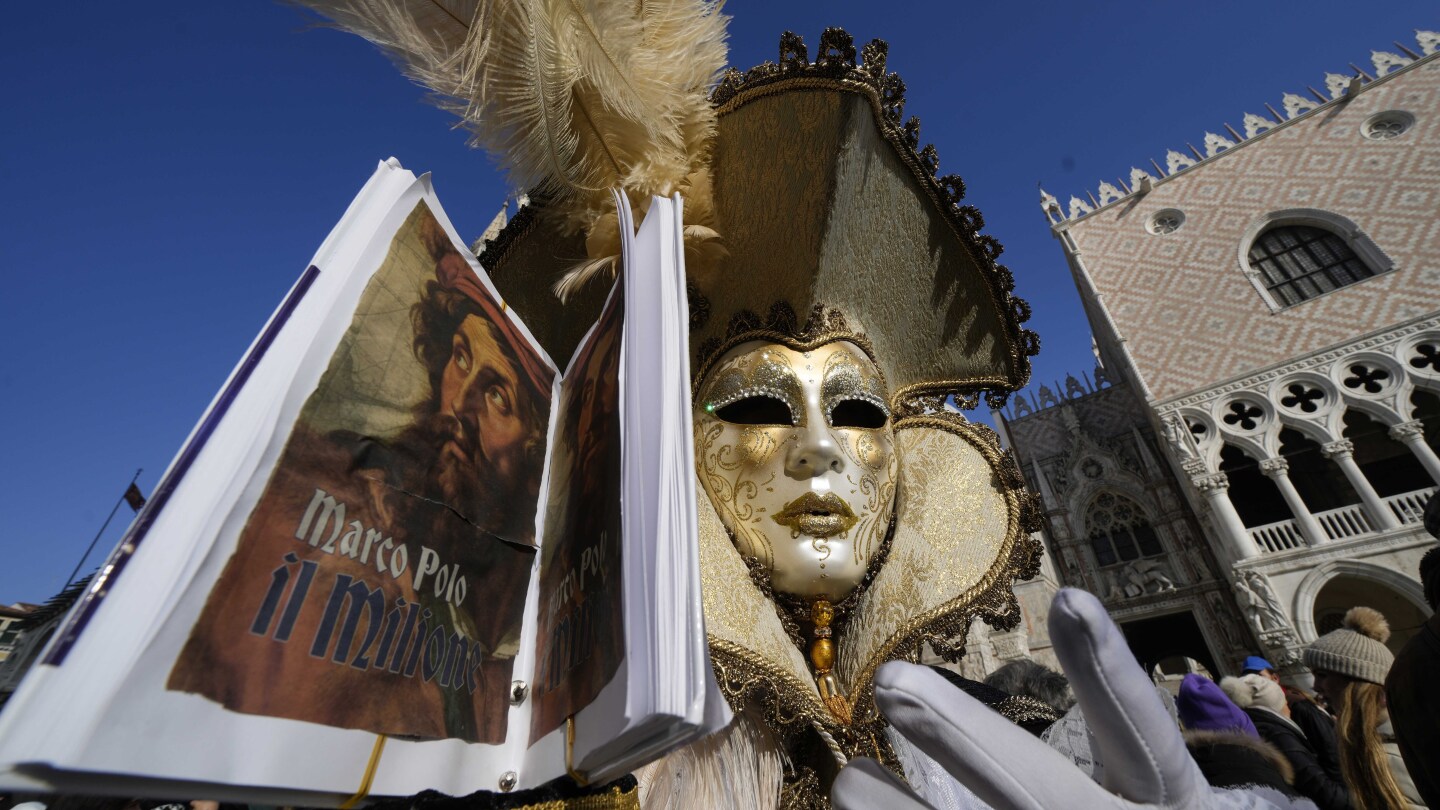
[{"x": 1190, "y": 314}]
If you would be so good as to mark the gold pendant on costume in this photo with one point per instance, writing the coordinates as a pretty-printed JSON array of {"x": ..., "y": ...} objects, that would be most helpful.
[{"x": 822, "y": 658}]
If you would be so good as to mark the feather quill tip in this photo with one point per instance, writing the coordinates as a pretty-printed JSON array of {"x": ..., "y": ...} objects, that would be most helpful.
[{"x": 579, "y": 276}]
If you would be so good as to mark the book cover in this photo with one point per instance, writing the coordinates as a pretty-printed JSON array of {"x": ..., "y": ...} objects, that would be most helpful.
[{"x": 380, "y": 581}]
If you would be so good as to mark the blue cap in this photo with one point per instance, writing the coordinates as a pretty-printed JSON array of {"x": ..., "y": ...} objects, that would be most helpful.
[{"x": 1256, "y": 664}]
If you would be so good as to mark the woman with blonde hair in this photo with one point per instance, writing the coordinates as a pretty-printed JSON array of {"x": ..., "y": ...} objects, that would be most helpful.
[{"x": 1350, "y": 665}]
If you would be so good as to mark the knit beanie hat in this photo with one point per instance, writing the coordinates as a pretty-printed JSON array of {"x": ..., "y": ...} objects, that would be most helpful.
[
  {"x": 1357, "y": 650},
  {"x": 1203, "y": 707},
  {"x": 1269, "y": 694},
  {"x": 1249, "y": 691}
]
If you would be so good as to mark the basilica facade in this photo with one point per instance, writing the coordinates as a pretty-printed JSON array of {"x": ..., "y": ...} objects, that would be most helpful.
[{"x": 1252, "y": 455}]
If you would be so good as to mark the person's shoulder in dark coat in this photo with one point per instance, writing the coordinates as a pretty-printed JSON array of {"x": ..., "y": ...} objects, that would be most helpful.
[
  {"x": 1414, "y": 700},
  {"x": 1319, "y": 728},
  {"x": 1310, "y": 778}
]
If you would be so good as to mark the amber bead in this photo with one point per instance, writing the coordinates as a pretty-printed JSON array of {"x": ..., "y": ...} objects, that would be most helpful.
[
  {"x": 822, "y": 654},
  {"x": 822, "y": 613}
]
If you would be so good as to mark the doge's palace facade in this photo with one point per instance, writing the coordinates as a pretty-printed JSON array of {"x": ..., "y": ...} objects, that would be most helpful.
[{"x": 1266, "y": 310}]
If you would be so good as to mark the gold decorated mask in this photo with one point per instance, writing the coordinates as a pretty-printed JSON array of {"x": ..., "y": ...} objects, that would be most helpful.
[{"x": 797, "y": 452}]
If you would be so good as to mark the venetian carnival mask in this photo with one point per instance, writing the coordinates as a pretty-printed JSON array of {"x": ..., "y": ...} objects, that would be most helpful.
[{"x": 797, "y": 453}]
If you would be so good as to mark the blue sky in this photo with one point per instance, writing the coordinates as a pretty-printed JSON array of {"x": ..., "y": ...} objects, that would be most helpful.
[{"x": 169, "y": 167}]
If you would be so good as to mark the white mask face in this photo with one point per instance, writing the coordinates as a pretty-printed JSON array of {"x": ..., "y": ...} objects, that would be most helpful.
[{"x": 797, "y": 453}]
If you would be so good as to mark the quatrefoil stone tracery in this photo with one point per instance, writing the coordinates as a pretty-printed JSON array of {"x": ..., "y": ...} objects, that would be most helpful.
[
  {"x": 1243, "y": 415},
  {"x": 1427, "y": 355},
  {"x": 1315, "y": 392},
  {"x": 1303, "y": 397},
  {"x": 1367, "y": 378}
]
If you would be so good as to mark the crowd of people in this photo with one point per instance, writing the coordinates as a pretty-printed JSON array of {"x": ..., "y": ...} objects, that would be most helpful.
[
  {"x": 1335, "y": 747},
  {"x": 1366, "y": 738}
]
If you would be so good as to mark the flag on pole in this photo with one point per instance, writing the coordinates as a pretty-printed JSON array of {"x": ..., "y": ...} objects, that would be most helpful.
[{"x": 134, "y": 498}]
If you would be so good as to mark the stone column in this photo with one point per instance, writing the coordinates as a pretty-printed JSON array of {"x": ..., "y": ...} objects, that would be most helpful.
[
  {"x": 1278, "y": 470},
  {"x": 1341, "y": 451},
  {"x": 1215, "y": 487},
  {"x": 1412, "y": 435}
]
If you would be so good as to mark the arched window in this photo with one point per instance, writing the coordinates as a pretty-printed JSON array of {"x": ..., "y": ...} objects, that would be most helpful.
[
  {"x": 1297, "y": 254},
  {"x": 1298, "y": 262},
  {"x": 1119, "y": 531}
]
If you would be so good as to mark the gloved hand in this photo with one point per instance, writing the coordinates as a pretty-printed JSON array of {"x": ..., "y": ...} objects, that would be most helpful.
[{"x": 1146, "y": 764}]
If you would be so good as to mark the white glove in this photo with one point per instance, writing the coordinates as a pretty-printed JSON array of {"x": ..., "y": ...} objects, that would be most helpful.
[{"x": 1146, "y": 764}]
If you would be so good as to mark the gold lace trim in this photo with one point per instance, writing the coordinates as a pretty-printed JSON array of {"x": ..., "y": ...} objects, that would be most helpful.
[
  {"x": 747, "y": 679},
  {"x": 613, "y": 799}
]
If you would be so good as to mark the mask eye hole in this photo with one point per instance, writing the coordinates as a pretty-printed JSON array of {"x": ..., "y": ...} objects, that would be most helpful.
[
  {"x": 756, "y": 411},
  {"x": 857, "y": 413}
]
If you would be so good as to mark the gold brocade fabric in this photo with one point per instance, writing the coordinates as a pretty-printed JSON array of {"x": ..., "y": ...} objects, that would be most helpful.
[
  {"x": 961, "y": 539},
  {"x": 811, "y": 198}
]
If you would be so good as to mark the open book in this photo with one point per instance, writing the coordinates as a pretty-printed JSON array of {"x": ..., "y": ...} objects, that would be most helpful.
[{"x": 399, "y": 521}]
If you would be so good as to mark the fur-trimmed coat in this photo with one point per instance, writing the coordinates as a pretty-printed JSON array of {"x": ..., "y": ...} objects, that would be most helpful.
[{"x": 1232, "y": 760}]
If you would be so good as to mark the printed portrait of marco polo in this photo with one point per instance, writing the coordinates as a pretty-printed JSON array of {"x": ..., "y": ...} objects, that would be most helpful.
[{"x": 381, "y": 577}]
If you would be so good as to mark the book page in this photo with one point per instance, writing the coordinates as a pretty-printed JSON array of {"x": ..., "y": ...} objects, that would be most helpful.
[
  {"x": 580, "y": 633},
  {"x": 379, "y": 582}
]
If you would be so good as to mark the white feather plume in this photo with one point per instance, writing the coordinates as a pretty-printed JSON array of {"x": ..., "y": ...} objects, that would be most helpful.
[
  {"x": 572, "y": 97},
  {"x": 739, "y": 766}
]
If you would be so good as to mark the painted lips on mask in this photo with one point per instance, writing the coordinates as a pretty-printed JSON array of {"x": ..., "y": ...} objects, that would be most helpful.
[{"x": 817, "y": 515}]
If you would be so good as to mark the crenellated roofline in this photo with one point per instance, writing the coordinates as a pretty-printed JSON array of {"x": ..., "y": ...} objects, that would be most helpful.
[
  {"x": 1339, "y": 87},
  {"x": 1034, "y": 400}
]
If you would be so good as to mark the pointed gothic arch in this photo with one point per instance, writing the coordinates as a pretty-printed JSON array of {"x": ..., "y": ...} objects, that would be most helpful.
[{"x": 1119, "y": 529}]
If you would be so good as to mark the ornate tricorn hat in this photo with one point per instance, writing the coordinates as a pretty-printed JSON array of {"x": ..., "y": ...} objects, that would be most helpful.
[{"x": 833, "y": 224}]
